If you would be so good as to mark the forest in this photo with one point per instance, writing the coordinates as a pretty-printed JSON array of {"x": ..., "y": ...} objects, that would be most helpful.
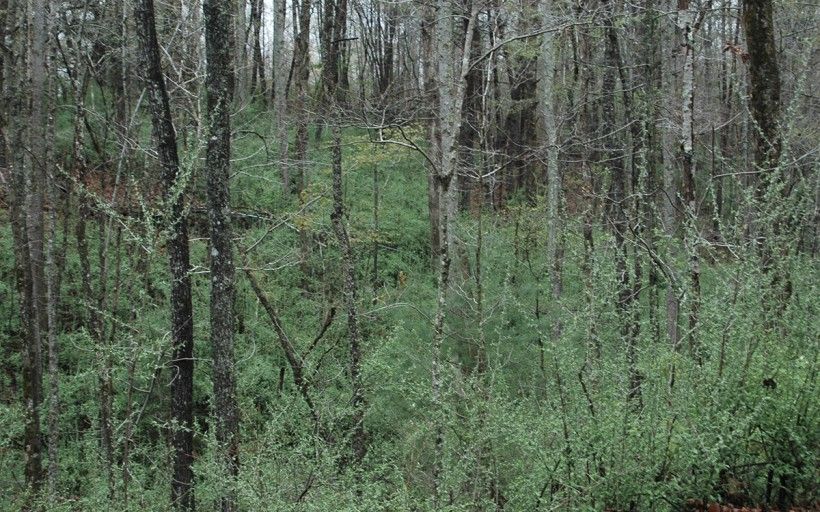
[{"x": 409, "y": 255}]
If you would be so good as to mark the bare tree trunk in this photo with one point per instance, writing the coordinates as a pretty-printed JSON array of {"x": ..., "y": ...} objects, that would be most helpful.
[
  {"x": 359, "y": 440},
  {"x": 687, "y": 25},
  {"x": 182, "y": 335},
  {"x": 451, "y": 83},
  {"x": 653, "y": 151},
  {"x": 280, "y": 78},
  {"x": 240, "y": 36},
  {"x": 670, "y": 223},
  {"x": 588, "y": 129},
  {"x": 219, "y": 48},
  {"x": 45, "y": 145},
  {"x": 301, "y": 75},
  {"x": 617, "y": 203},
  {"x": 546, "y": 103},
  {"x": 301, "y": 72},
  {"x": 15, "y": 84},
  {"x": 764, "y": 103},
  {"x": 34, "y": 169},
  {"x": 428, "y": 71},
  {"x": 53, "y": 285},
  {"x": 259, "y": 87},
  {"x": 334, "y": 32}
]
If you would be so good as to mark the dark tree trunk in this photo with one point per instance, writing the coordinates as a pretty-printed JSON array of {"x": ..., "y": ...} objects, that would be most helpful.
[
  {"x": 764, "y": 78},
  {"x": 259, "y": 86},
  {"x": 764, "y": 103},
  {"x": 431, "y": 94},
  {"x": 182, "y": 335},
  {"x": 301, "y": 71},
  {"x": 219, "y": 48},
  {"x": 653, "y": 160},
  {"x": 334, "y": 33},
  {"x": 617, "y": 200}
]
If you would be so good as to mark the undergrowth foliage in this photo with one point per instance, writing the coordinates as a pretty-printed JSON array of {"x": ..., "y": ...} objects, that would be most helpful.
[{"x": 545, "y": 425}]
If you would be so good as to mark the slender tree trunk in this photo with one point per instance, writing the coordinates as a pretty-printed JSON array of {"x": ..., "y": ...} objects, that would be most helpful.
[
  {"x": 240, "y": 36},
  {"x": 52, "y": 269},
  {"x": 617, "y": 202},
  {"x": 453, "y": 66},
  {"x": 182, "y": 335},
  {"x": 428, "y": 70},
  {"x": 546, "y": 103},
  {"x": 301, "y": 71},
  {"x": 53, "y": 280},
  {"x": 334, "y": 32},
  {"x": 219, "y": 48},
  {"x": 16, "y": 85},
  {"x": 686, "y": 24},
  {"x": 653, "y": 153},
  {"x": 280, "y": 77},
  {"x": 375, "y": 282},
  {"x": 588, "y": 129},
  {"x": 259, "y": 86},
  {"x": 36, "y": 170}
]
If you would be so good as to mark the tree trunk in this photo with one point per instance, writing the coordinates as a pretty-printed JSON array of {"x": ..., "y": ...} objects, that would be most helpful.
[
  {"x": 686, "y": 23},
  {"x": 617, "y": 202},
  {"x": 334, "y": 32},
  {"x": 219, "y": 48},
  {"x": 450, "y": 82},
  {"x": 653, "y": 154},
  {"x": 240, "y": 36},
  {"x": 546, "y": 103},
  {"x": 182, "y": 335},
  {"x": 259, "y": 87},
  {"x": 280, "y": 77},
  {"x": 764, "y": 103},
  {"x": 429, "y": 90}
]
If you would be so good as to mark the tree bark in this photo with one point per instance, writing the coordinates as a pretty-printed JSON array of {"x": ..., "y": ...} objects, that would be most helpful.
[
  {"x": 617, "y": 202},
  {"x": 546, "y": 102},
  {"x": 334, "y": 32},
  {"x": 219, "y": 48},
  {"x": 182, "y": 335},
  {"x": 450, "y": 80},
  {"x": 687, "y": 25},
  {"x": 280, "y": 77},
  {"x": 764, "y": 103}
]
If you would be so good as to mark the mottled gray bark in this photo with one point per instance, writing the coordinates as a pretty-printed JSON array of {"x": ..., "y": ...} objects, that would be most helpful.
[
  {"x": 280, "y": 79},
  {"x": 428, "y": 86},
  {"x": 687, "y": 26},
  {"x": 764, "y": 104},
  {"x": 219, "y": 49},
  {"x": 546, "y": 105},
  {"x": 453, "y": 64}
]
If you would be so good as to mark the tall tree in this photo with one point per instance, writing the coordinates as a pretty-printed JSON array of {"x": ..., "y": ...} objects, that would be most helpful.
[
  {"x": 280, "y": 80},
  {"x": 25, "y": 78},
  {"x": 764, "y": 103},
  {"x": 453, "y": 64},
  {"x": 617, "y": 197},
  {"x": 219, "y": 49},
  {"x": 39, "y": 78},
  {"x": 333, "y": 32},
  {"x": 688, "y": 25},
  {"x": 182, "y": 333},
  {"x": 546, "y": 104}
]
